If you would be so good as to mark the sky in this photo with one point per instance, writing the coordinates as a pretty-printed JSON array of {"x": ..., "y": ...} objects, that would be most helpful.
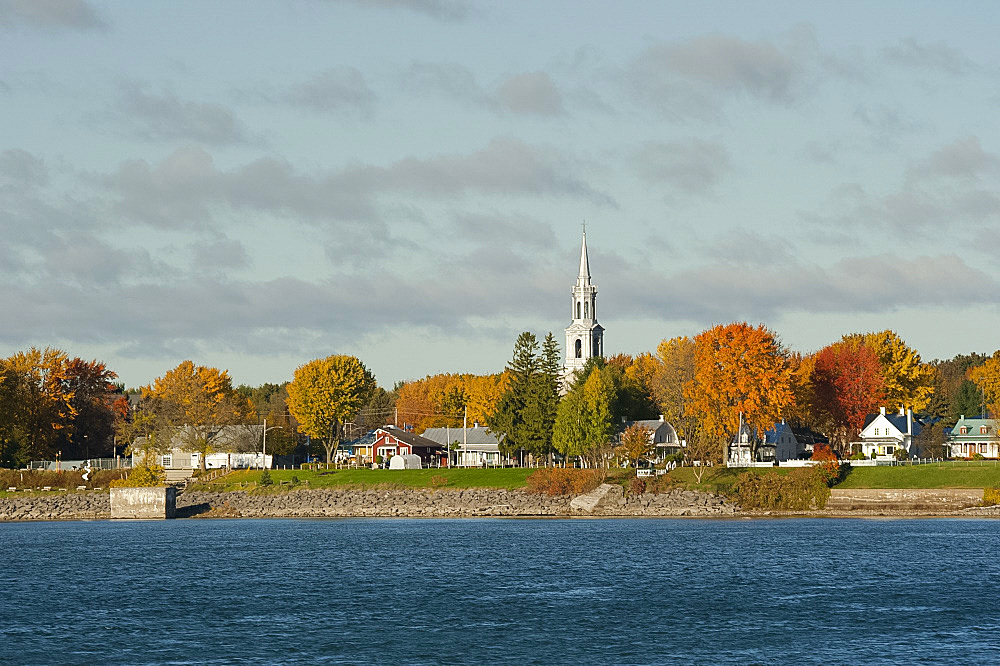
[{"x": 252, "y": 185}]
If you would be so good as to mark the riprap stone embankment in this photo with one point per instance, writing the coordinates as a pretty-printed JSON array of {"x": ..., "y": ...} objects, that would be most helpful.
[{"x": 442, "y": 503}]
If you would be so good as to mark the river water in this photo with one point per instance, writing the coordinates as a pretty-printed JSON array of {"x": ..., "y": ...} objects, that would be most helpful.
[{"x": 496, "y": 590}]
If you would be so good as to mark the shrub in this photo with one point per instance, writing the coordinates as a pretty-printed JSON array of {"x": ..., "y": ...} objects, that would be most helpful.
[
  {"x": 141, "y": 477},
  {"x": 438, "y": 480},
  {"x": 802, "y": 488},
  {"x": 265, "y": 479},
  {"x": 858, "y": 455},
  {"x": 978, "y": 456},
  {"x": 637, "y": 486},
  {"x": 295, "y": 480},
  {"x": 564, "y": 481},
  {"x": 991, "y": 496},
  {"x": 901, "y": 454}
]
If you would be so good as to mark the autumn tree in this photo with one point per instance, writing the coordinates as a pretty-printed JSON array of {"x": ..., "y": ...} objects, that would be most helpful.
[
  {"x": 987, "y": 378},
  {"x": 36, "y": 404},
  {"x": 739, "y": 370},
  {"x": 95, "y": 404},
  {"x": 636, "y": 443},
  {"x": 908, "y": 381},
  {"x": 847, "y": 386},
  {"x": 327, "y": 392},
  {"x": 954, "y": 393},
  {"x": 192, "y": 403},
  {"x": 674, "y": 373}
]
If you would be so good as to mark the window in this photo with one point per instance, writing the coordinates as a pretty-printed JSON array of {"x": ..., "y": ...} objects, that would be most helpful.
[
  {"x": 963, "y": 431},
  {"x": 578, "y": 309},
  {"x": 889, "y": 450},
  {"x": 586, "y": 310},
  {"x": 982, "y": 448},
  {"x": 579, "y": 348},
  {"x": 168, "y": 460},
  {"x": 982, "y": 430}
]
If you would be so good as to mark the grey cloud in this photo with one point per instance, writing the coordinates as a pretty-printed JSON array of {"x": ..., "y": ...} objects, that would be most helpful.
[
  {"x": 694, "y": 166},
  {"x": 164, "y": 116},
  {"x": 686, "y": 78},
  {"x": 499, "y": 230},
  {"x": 450, "y": 79},
  {"x": 717, "y": 291},
  {"x": 185, "y": 189},
  {"x": 925, "y": 56},
  {"x": 74, "y": 14},
  {"x": 219, "y": 255},
  {"x": 533, "y": 93},
  {"x": 965, "y": 158},
  {"x": 340, "y": 90},
  {"x": 450, "y": 10},
  {"x": 22, "y": 167}
]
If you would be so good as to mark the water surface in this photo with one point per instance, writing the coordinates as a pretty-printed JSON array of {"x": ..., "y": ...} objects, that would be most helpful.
[{"x": 496, "y": 590}]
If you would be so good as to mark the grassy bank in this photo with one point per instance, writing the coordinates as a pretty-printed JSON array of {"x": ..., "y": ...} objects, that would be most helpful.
[
  {"x": 939, "y": 475},
  {"x": 457, "y": 478}
]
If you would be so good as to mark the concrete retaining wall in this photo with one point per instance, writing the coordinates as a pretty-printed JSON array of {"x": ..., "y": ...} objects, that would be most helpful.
[
  {"x": 143, "y": 502},
  {"x": 909, "y": 499}
]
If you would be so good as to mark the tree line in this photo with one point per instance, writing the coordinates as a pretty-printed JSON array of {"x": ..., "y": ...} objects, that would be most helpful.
[{"x": 704, "y": 385}]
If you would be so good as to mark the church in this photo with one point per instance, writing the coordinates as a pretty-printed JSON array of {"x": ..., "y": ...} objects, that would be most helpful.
[{"x": 584, "y": 336}]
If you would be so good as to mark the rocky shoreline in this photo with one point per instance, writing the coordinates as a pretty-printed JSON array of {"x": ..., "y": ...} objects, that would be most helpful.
[{"x": 607, "y": 501}]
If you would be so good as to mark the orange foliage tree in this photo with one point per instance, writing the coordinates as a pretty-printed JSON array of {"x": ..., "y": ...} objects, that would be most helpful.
[{"x": 739, "y": 369}]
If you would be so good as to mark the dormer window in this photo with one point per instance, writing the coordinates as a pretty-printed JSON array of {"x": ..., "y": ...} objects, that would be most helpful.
[
  {"x": 963, "y": 430},
  {"x": 982, "y": 430}
]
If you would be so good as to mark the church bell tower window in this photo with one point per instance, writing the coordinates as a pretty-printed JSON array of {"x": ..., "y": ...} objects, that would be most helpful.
[{"x": 579, "y": 348}]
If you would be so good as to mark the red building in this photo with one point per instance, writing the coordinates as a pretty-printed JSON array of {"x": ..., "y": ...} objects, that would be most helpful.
[{"x": 390, "y": 441}]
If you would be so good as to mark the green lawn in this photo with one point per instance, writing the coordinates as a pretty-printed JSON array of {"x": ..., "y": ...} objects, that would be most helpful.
[
  {"x": 716, "y": 479},
  {"x": 373, "y": 478},
  {"x": 939, "y": 475}
]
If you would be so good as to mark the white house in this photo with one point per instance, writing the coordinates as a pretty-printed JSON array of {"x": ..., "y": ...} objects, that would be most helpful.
[
  {"x": 662, "y": 435},
  {"x": 884, "y": 434},
  {"x": 232, "y": 446},
  {"x": 476, "y": 446},
  {"x": 972, "y": 437},
  {"x": 777, "y": 444}
]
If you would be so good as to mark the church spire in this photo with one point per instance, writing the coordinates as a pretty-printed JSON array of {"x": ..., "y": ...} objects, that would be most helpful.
[{"x": 584, "y": 259}]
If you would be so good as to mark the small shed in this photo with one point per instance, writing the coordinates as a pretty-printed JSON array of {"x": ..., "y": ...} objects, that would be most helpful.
[{"x": 404, "y": 461}]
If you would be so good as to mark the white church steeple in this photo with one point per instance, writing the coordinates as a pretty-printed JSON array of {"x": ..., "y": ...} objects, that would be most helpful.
[{"x": 584, "y": 336}]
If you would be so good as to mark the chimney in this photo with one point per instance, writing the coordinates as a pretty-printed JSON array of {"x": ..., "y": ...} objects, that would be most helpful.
[
  {"x": 881, "y": 410},
  {"x": 901, "y": 410},
  {"x": 663, "y": 417},
  {"x": 475, "y": 424}
]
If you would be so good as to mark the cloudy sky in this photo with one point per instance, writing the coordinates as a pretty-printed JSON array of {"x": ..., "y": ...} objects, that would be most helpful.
[{"x": 255, "y": 184}]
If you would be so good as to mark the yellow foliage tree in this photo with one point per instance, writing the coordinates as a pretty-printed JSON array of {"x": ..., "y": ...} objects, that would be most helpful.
[
  {"x": 36, "y": 405},
  {"x": 908, "y": 382},
  {"x": 987, "y": 378},
  {"x": 327, "y": 392},
  {"x": 440, "y": 400},
  {"x": 739, "y": 369},
  {"x": 674, "y": 374},
  {"x": 191, "y": 402}
]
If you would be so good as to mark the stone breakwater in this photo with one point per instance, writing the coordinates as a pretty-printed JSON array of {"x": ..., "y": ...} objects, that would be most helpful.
[{"x": 612, "y": 501}]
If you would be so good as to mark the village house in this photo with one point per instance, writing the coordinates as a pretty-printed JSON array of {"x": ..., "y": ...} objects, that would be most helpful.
[
  {"x": 972, "y": 437},
  {"x": 389, "y": 441},
  {"x": 777, "y": 444},
  {"x": 662, "y": 436},
  {"x": 472, "y": 447},
  {"x": 231, "y": 446},
  {"x": 883, "y": 435}
]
